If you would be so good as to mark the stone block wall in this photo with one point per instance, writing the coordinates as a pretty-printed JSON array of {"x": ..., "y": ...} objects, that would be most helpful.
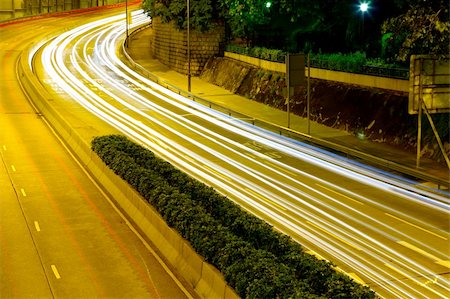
[{"x": 169, "y": 46}]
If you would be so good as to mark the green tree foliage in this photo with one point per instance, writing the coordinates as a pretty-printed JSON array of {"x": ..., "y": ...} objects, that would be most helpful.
[
  {"x": 286, "y": 23},
  {"x": 204, "y": 14},
  {"x": 328, "y": 26},
  {"x": 423, "y": 29},
  {"x": 244, "y": 16},
  {"x": 314, "y": 24}
]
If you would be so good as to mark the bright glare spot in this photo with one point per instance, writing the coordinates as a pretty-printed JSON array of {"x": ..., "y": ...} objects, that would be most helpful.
[
  {"x": 268, "y": 4},
  {"x": 364, "y": 6}
]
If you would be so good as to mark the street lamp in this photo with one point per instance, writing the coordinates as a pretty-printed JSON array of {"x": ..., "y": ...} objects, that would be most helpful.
[
  {"x": 189, "y": 45},
  {"x": 363, "y": 7},
  {"x": 126, "y": 22}
]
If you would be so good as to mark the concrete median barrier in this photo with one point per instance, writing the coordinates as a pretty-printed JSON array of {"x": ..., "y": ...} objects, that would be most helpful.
[{"x": 206, "y": 280}]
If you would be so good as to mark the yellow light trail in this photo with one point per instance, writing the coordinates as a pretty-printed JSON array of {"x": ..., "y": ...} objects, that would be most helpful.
[{"x": 240, "y": 172}]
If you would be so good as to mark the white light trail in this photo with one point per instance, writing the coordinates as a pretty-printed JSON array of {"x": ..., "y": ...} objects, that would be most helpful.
[{"x": 85, "y": 64}]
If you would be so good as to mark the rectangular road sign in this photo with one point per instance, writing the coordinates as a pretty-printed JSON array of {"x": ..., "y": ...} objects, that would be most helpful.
[
  {"x": 295, "y": 69},
  {"x": 430, "y": 81}
]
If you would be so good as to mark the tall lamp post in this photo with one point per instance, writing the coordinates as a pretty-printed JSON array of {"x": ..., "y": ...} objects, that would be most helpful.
[
  {"x": 126, "y": 22},
  {"x": 189, "y": 44}
]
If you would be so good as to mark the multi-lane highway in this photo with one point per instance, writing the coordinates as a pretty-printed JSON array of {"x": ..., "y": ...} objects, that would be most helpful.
[
  {"x": 60, "y": 237},
  {"x": 381, "y": 230}
]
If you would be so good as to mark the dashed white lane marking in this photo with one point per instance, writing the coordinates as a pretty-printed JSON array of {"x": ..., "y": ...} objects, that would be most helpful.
[
  {"x": 445, "y": 263},
  {"x": 55, "y": 271},
  {"x": 340, "y": 194},
  {"x": 13, "y": 168},
  {"x": 418, "y": 250},
  {"x": 416, "y": 226},
  {"x": 4, "y": 147},
  {"x": 36, "y": 225},
  {"x": 280, "y": 168},
  {"x": 23, "y": 192}
]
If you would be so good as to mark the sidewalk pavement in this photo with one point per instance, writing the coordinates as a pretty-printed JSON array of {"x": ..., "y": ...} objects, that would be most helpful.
[{"x": 140, "y": 51}]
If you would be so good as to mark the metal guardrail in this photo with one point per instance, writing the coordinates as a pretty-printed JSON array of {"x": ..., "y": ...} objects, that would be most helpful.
[
  {"x": 287, "y": 132},
  {"x": 328, "y": 64}
]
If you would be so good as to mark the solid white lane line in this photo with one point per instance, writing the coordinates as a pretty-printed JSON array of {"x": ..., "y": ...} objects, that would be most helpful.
[
  {"x": 356, "y": 278},
  {"x": 55, "y": 271},
  {"x": 23, "y": 192},
  {"x": 311, "y": 252},
  {"x": 444, "y": 263}
]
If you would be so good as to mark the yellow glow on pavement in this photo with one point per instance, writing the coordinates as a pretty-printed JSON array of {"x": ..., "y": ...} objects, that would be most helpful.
[{"x": 84, "y": 63}]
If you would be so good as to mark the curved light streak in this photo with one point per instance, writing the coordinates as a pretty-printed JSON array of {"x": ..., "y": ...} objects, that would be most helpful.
[{"x": 281, "y": 200}]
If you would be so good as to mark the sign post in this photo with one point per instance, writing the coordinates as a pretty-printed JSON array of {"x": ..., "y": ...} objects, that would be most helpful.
[
  {"x": 429, "y": 92},
  {"x": 295, "y": 76}
]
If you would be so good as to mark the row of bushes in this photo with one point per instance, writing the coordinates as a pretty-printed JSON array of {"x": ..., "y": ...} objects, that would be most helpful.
[
  {"x": 358, "y": 63},
  {"x": 256, "y": 261},
  {"x": 354, "y": 63},
  {"x": 258, "y": 52}
]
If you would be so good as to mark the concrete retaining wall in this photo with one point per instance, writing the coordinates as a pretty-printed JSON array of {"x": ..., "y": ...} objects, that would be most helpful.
[
  {"x": 169, "y": 46},
  {"x": 343, "y": 77},
  {"x": 207, "y": 281}
]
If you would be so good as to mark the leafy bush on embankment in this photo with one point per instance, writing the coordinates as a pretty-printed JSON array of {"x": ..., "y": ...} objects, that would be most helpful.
[{"x": 257, "y": 261}]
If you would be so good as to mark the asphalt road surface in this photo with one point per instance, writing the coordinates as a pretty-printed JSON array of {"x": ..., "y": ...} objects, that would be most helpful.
[
  {"x": 60, "y": 237},
  {"x": 379, "y": 229}
]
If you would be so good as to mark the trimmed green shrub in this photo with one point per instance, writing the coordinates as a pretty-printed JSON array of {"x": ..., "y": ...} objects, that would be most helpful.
[
  {"x": 340, "y": 62},
  {"x": 256, "y": 260},
  {"x": 354, "y": 62}
]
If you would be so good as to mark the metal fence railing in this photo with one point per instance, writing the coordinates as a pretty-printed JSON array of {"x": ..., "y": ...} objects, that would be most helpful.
[{"x": 356, "y": 65}]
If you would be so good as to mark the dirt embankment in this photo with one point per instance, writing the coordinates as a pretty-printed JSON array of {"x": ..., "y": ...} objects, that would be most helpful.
[{"x": 381, "y": 115}]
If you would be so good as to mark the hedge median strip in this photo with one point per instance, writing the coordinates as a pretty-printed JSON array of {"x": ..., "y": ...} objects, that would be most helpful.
[{"x": 257, "y": 261}]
